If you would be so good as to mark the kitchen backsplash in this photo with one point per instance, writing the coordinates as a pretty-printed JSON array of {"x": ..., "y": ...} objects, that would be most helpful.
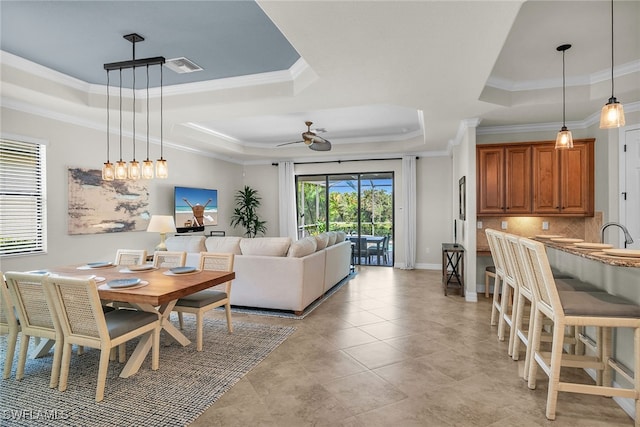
[{"x": 582, "y": 228}]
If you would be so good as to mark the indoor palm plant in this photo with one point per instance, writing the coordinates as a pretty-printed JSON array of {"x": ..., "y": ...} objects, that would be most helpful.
[{"x": 245, "y": 212}]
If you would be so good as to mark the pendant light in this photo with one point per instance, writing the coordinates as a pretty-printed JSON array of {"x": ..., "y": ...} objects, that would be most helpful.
[
  {"x": 134, "y": 170},
  {"x": 564, "y": 139},
  {"x": 108, "y": 171},
  {"x": 612, "y": 115}
]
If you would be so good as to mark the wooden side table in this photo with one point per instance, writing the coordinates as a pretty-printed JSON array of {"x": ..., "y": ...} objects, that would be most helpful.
[{"x": 452, "y": 266}]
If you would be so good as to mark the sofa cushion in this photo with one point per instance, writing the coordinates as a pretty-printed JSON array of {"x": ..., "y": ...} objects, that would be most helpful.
[
  {"x": 332, "y": 237},
  {"x": 302, "y": 247},
  {"x": 227, "y": 245},
  {"x": 321, "y": 241},
  {"x": 267, "y": 246},
  {"x": 340, "y": 236},
  {"x": 186, "y": 244}
]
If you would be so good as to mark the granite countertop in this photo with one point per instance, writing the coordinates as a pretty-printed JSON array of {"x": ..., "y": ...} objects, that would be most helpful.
[{"x": 594, "y": 254}]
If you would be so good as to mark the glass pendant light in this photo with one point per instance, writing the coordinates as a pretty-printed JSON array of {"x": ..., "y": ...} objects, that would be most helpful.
[
  {"x": 564, "y": 139},
  {"x": 612, "y": 115},
  {"x": 108, "y": 171}
]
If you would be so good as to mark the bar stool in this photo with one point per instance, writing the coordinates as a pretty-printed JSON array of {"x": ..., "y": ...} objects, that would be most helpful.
[{"x": 577, "y": 308}]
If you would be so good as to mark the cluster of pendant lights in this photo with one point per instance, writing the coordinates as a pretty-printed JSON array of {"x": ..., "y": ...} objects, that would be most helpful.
[
  {"x": 134, "y": 170},
  {"x": 612, "y": 115}
]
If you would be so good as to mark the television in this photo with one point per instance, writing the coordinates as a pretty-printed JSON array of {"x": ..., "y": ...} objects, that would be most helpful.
[{"x": 194, "y": 208}]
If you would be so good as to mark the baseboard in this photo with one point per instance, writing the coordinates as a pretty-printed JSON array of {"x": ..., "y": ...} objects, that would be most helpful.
[{"x": 428, "y": 266}]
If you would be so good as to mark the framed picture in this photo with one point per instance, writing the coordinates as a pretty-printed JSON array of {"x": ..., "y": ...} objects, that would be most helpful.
[{"x": 462, "y": 196}]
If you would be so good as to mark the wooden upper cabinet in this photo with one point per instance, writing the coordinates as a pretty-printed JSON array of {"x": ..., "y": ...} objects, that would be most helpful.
[{"x": 535, "y": 179}]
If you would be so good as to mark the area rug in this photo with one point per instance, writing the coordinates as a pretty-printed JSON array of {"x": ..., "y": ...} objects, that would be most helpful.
[
  {"x": 187, "y": 383},
  {"x": 291, "y": 314}
]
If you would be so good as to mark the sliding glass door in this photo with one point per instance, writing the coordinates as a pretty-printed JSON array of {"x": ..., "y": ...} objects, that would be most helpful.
[{"x": 361, "y": 205}]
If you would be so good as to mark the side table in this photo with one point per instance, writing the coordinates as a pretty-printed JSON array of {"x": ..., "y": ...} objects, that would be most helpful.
[{"x": 452, "y": 266}]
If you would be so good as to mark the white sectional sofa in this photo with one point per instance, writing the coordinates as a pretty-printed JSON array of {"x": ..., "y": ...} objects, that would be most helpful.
[{"x": 274, "y": 272}]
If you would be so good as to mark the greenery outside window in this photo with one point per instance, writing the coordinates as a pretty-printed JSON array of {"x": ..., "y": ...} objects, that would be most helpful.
[{"x": 22, "y": 198}]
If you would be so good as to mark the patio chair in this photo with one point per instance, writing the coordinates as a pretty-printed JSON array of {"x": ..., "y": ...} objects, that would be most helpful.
[
  {"x": 36, "y": 318},
  {"x": 577, "y": 308},
  {"x": 381, "y": 250},
  {"x": 8, "y": 326},
  {"x": 208, "y": 299},
  {"x": 77, "y": 305},
  {"x": 131, "y": 256}
]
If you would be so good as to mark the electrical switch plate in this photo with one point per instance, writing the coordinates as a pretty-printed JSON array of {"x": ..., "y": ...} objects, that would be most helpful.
[
  {"x": 504, "y": 225},
  {"x": 479, "y": 225},
  {"x": 545, "y": 225}
]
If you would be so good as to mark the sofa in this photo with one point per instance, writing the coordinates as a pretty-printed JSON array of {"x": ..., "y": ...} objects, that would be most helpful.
[{"x": 276, "y": 272}]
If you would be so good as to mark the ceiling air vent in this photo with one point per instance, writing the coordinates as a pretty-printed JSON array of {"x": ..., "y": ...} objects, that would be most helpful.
[{"x": 182, "y": 65}]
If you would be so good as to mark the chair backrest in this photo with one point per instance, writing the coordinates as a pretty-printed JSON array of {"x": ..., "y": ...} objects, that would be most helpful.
[
  {"x": 507, "y": 259},
  {"x": 169, "y": 259},
  {"x": 28, "y": 296},
  {"x": 385, "y": 243},
  {"x": 131, "y": 256},
  {"x": 513, "y": 251},
  {"x": 540, "y": 277},
  {"x": 218, "y": 262},
  {"x": 496, "y": 251},
  {"x": 7, "y": 315},
  {"x": 77, "y": 305}
]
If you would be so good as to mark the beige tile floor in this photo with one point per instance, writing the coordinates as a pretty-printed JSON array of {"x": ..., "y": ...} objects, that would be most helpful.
[{"x": 389, "y": 349}]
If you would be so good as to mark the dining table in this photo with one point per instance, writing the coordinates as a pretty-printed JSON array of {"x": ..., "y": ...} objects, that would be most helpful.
[{"x": 158, "y": 292}]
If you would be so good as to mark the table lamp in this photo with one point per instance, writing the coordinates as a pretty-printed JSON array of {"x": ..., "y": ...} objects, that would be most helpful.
[{"x": 162, "y": 224}]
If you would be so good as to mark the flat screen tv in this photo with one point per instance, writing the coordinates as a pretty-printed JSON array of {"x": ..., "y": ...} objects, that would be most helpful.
[{"x": 195, "y": 208}]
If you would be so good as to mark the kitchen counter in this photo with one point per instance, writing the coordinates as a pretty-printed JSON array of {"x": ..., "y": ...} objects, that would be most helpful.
[{"x": 593, "y": 254}]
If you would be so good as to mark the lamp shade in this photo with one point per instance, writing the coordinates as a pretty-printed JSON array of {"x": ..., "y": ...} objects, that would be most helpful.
[{"x": 161, "y": 224}]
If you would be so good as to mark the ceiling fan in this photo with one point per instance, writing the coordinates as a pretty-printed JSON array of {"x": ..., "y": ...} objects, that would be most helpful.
[{"x": 312, "y": 140}]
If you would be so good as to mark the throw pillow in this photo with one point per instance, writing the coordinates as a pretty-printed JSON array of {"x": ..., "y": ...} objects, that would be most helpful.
[
  {"x": 185, "y": 244},
  {"x": 332, "y": 238},
  {"x": 302, "y": 247},
  {"x": 267, "y": 246},
  {"x": 321, "y": 241},
  {"x": 341, "y": 235},
  {"x": 225, "y": 244}
]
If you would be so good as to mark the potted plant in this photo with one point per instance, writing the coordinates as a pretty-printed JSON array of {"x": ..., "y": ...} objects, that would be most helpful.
[{"x": 245, "y": 212}]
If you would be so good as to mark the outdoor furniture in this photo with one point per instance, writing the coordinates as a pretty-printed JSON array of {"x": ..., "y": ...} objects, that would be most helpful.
[
  {"x": 380, "y": 249},
  {"x": 208, "y": 299}
]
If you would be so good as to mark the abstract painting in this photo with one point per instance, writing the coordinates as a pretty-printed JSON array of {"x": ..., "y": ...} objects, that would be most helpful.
[{"x": 97, "y": 206}]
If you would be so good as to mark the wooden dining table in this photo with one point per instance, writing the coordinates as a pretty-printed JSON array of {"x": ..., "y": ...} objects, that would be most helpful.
[{"x": 158, "y": 296}]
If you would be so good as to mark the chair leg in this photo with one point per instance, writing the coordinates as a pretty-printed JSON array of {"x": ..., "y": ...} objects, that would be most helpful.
[
  {"x": 534, "y": 342},
  {"x": 636, "y": 368},
  {"x": 486, "y": 284},
  {"x": 122, "y": 353},
  {"x": 514, "y": 314},
  {"x": 199, "y": 326},
  {"x": 516, "y": 326},
  {"x": 504, "y": 308},
  {"x": 554, "y": 373},
  {"x": 11, "y": 349},
  {"x": 22, "y": 356},
  {"x": 64, "y": 366},
  {"x": 57, "y": 358},
  {"x": 180, "y": 320},
  {"x": 102, "y": 374},
  {"x": 227, "y": 309},
  {"x": 604, "y": 351},
  {"x": 496, "y": 301},
  {"x": 529, "y": 352}
]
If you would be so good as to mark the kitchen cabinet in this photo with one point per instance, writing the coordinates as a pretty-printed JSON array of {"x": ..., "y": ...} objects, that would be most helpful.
[
  {"x": 533, "y": 178},
  {"x": 504, "y": 180}
]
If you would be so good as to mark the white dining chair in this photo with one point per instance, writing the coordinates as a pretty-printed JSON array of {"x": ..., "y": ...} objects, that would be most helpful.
[
  {"x": 35, "y": 317},
  {"x": 8, "y": 326},
  {"x": 208, "y": 299},
  {"x": 83, "y": 322}
]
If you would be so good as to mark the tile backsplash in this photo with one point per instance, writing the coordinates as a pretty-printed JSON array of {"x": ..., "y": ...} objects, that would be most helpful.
[{"x": 587, "y": 228}]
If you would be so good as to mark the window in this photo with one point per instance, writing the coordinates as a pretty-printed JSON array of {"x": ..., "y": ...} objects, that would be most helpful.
[{"x": 22, "y": 198}]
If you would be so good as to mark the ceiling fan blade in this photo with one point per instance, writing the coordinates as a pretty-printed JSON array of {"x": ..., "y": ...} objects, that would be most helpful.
[
  {"x": 289, "y": 143},
  {"x": 321, "y": 146}
]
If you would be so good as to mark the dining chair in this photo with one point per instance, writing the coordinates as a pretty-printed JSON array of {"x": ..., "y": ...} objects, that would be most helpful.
[
  {"x": 36, "y": 318},
  {"x": 381, "y": 250},
  {"x": 8, "y": 326},
  {"x": 131, "y": 257},
  {"x": 83, "y": 322},
  {"x": 169, "y": 259},
  {"x": 578, "y": 308},
  {"x": 208, "y": 299}
]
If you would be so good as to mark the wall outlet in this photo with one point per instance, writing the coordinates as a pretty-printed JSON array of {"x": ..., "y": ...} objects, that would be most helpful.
[
  {"x": 545, "y": 225},
  {"x": 504, "y": 225},
  {"x": 479, "y": 224}
]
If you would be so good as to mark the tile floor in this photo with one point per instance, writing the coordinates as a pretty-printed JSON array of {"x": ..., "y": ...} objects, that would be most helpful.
[{"x": 389, "y": 349}]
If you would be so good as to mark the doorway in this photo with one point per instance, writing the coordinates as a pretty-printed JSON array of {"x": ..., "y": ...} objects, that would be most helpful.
[
  {"x": 360, "y": 204},
  {"x": 630, "y": 184}
]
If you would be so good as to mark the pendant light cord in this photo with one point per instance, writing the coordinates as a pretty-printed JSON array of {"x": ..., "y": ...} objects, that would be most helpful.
[
  {"x": 563, "y": 95},
  {"x": 133, "y": 110},
  {"x": 108, "y": 116},
  {"x": 161, "y": 112},
  {"x": 147, "y": 112},
  {"x": 612, "y": 91},
  {"x": 121, "y": 114}
]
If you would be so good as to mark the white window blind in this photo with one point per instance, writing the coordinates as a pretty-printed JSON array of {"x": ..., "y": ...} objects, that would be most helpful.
[{"x": 22, "y": 198}]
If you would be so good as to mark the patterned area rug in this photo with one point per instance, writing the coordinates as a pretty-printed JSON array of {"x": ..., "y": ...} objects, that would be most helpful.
[
  {"x": 187, "y": 383},
  {"x": 290, "y": 314}
]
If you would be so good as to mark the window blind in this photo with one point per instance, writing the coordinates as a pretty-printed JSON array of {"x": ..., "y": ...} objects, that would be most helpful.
[{"x": 22, "y": 198}]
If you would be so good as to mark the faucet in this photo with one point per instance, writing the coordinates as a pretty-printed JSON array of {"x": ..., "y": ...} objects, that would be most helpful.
[{"x": 627, "y": 236}]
